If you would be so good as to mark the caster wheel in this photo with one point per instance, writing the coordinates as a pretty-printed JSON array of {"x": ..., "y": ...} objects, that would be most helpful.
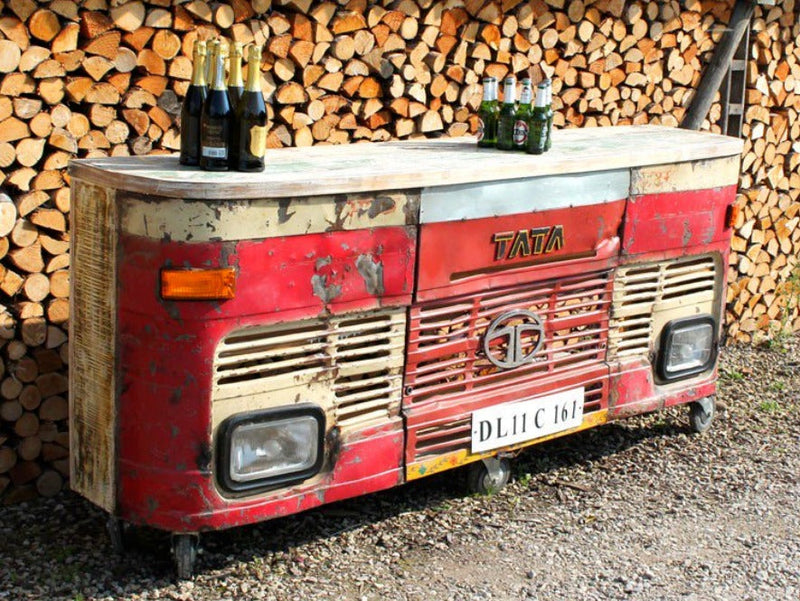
[
  {"x": 701, "y": 414},
  {"x": 488, "y": 476},
  {"x": 116, "y": 534},
  {"x": 184, "y": 553}
]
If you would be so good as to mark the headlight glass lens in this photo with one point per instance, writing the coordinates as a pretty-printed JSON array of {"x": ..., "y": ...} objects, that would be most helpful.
[
  {"x": 274, "y": 448},
  {"x": 689, "y": 347}
]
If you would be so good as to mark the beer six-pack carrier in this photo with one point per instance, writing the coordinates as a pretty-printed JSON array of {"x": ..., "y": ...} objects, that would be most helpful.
[{"x": 249, "y": 346}]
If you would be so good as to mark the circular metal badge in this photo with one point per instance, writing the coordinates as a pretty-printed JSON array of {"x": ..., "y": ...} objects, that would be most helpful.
[{"x": 513, "y": 339}]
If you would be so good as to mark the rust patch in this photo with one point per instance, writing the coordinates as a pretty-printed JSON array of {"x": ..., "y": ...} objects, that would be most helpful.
[
  {"x": 372, "y": 273},
  {"x": 381, "y": 205},
  {"x": 411, "y": 209},
  {"x": 283, "y": 210},
  {"x": 333, "y": 445},
  {"x": 203, "y": 458},
  {"x": 322, "y": 290},
  {"x": 687, "y": 233}
]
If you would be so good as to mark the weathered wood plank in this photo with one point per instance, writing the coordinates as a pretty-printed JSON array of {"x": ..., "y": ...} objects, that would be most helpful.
[{"x": 369, "y": 167}]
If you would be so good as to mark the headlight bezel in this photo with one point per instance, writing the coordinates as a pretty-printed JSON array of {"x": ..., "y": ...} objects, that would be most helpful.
[
  {"x": 224, "y": 446},
  {"x": 668, "y": 334}
]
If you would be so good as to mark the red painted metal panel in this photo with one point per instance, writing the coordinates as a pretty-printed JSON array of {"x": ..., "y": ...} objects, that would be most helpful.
[
  {"x": 333, "y": 272},
  {"x": 458, "y": 257},
  {"x": 672, "y": 220},
  {"x": 634, "y": 391},
  {"x": 183, "y": 498},
  {"x": 165, "y": 451}
]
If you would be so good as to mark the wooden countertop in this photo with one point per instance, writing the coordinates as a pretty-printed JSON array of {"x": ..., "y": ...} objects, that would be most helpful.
[{"x": 321, "y": 170}]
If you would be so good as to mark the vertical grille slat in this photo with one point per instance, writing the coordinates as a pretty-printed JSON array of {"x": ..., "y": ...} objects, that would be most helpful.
[{"x": 353, "y": 363}]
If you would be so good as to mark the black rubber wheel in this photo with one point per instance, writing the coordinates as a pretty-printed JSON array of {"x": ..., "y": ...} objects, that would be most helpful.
[
  {"x": 701, "y": 414},
  {"x": 482, "y": 480},
  {"x": 116, "y": 534},
  {"x": 184, "y": 552}
]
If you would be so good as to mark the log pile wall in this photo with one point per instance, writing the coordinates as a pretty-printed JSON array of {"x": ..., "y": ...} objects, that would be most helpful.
[{"x": 84, "y": 78}]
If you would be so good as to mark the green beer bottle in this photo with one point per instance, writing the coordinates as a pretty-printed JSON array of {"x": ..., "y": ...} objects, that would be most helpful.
[
  {"x": 549, "y": 139},
  {"x": 487, "y": 115},
  {"x": 523, "y": 115},
  {"x": 537, "y": 125},
  {"x": 508, "y": 116}
]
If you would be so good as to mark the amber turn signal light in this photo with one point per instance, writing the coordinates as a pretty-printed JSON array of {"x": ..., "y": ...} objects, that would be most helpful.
[
  {"x": 732, "y": 215},
  {"x": 198, "y": 284}
]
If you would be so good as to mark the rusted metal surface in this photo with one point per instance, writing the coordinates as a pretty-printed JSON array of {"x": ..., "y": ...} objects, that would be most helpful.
[
  {"x": 93, "y": 335},
  {"x": 205, "y": 221}
]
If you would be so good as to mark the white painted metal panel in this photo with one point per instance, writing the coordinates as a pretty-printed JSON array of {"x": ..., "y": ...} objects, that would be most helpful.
[{"x": 679, "y": 177}]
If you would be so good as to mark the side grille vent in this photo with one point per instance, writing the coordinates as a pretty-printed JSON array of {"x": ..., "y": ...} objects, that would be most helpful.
[
  {"x": 350, "y": 365},
  {"x": 640, "y": 291}
]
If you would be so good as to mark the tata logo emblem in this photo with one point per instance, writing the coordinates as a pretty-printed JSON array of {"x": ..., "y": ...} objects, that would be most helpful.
[
  {"x": 513, "y": 339},
  {"x": 528, "y": 242}
]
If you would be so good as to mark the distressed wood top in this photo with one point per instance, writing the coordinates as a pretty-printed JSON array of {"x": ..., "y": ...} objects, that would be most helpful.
[{"x": 321, "y": 170}]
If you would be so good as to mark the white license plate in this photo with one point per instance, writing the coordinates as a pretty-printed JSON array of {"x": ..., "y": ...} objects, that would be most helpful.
[{"x": 522, "y": 421}]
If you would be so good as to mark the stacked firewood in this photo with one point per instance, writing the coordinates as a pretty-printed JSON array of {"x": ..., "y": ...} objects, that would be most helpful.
[
  {"x": 83, "y": 78},
  {"x": 764, "y": 293}
]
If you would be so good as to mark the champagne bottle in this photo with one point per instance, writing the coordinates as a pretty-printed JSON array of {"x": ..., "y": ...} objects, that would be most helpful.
[
  {"x": 487, "y": 115},
  {"x": 549, "y": 112},
  {"x": 235, "y": 90},
  {"x": 537, "y": 124},
  {"x": 192, "y": 109},
  {"x": 216, "y": 121},
  {"x": 508, "y": 116},
  {"x": 251, "y": 116},
  {"x": 523, "y": 115},
  {"x": 235, "y": 82},
  {"x": 210, "y": 61}
]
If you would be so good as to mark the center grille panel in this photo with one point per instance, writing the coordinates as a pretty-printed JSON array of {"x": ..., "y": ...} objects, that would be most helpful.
[
  {"x": 446, "y": 357},
  {"x": 641, "y": 292},
  {"x": 350, "y": 365}
]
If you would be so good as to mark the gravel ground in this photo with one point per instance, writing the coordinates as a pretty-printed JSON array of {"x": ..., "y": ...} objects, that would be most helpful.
[{"x": 639, "y": 510}]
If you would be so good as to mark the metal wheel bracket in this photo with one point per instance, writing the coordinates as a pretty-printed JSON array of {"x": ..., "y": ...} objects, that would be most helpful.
[
  {"x": 494, "y": 468},
  {"x": 707, "y": 404}
]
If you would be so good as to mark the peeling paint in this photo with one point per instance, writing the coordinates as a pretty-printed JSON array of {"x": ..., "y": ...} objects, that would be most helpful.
[
  {"x": 380, "y": 206},
  {"x": 687, "y": 233},
  {"x": 283, "y": 210},
  {"x": 372, "y": 273},
  {"x": 320, "y": 288}
]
